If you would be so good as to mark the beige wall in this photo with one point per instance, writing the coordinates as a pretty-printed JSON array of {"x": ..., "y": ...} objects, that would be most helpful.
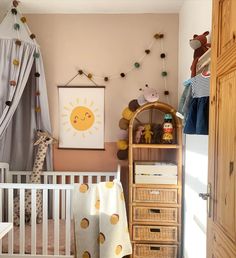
[{"x": 105, "y": 44}]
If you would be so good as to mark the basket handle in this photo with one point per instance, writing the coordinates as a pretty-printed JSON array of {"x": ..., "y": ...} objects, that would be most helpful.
[
  {"x": 155, "y": 230},
  {"x": 155, "y": 248},
  {"x": 155, "y": 210},
  {"x": 155, "y": 192}
]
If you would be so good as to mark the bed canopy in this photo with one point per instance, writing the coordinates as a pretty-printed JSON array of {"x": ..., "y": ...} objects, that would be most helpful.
[{"x": 23, "y": 94}]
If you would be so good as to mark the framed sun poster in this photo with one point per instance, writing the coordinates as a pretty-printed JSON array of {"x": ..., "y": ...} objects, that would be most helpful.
[{"x": 81, "y": 116}]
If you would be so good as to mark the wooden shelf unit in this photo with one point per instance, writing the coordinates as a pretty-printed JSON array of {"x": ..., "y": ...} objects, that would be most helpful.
[{"x": 155, "y": 221}]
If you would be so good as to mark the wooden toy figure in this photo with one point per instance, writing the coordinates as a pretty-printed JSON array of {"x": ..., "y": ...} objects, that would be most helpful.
[
  {"x": 147, "y": 133},
  {"x": 167, "y": 136}
]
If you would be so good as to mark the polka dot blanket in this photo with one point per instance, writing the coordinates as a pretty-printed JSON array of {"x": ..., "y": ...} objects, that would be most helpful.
[{"x": 101, "y": 229}]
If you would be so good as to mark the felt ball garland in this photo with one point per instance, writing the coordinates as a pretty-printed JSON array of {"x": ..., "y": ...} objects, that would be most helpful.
[
  {"x": 158, "y": 37},
  {"x": 16, "y": 60}
]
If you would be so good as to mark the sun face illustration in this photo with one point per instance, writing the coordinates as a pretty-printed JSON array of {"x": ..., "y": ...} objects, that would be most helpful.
[{"x": 81, "y": 117}]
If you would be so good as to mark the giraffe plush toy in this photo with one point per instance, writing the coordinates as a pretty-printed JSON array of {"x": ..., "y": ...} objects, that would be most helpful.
[{"x": 43, "y": 141}]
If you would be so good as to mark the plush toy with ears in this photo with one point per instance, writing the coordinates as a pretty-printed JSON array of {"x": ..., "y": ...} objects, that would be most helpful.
[{"x": 200, "y": 46}]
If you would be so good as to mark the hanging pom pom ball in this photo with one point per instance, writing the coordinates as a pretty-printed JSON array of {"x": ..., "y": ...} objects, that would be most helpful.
[
  {"x": 37, "y": 74},
  {"x": 123, "y": 124},
  {"x": 166, "y": 92},
  {"x": 14, "y": 11},
  {"x": 162, "y": 55},
  {"x": 90, "y": 76},
  {"x": 164, "y": 73},
  {"x": 37, "y": 109},
  {"x": 32, "y": 36},
  {"x": 147, "y": 51},
  {"x": 127, "y": 114},
  {"x": 122, "y": 75},
  {"x": 13, "y": 83},
  {"x": 16, "y": 62},
  {"x": 23, "y": 19},
  {"x": 16, "y": 26},
  {"x": 106, "y": 79},
  {"x": 15, "y": 3},
  {"x": 122, "y": 145},
  {"x": 136, "y": 65},
  {"x": 122, "y": 154},
  {"x": 37, "y": 93},
  {"x": 8, "y": 103},
  {"x": 36, "y": 55},
  {"x": 80, "y": 72},
  {"x": 158, "y": 36},
  {"x": 133, "y": 105},
  {"x": 123, "y": 134},
  {"x": 18, "y": 42}
]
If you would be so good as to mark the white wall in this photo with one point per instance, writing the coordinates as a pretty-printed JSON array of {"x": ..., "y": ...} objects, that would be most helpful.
[{"x": 194, "y": 18}]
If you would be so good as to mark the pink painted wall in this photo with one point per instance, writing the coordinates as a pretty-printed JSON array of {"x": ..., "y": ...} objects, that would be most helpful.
[{"x": 104, "y": 44}]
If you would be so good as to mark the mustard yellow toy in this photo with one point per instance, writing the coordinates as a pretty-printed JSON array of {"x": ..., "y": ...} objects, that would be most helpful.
[{"x": 147, "y": 133}]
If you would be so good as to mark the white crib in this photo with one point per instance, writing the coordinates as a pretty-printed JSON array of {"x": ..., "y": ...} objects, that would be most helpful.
[{"x": 54, "y": 237}]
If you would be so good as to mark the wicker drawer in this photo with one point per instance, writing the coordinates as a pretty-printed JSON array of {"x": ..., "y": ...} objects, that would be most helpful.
[
  {"x": 155, "y": 251},
  {"x": 155, "y": 233},
  {"x": 142, "y": 194},
  {"x": 153, "y": 214}
]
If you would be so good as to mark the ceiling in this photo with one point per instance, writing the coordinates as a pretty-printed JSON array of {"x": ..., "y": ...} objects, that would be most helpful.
[{"x": 96, "y": 6}]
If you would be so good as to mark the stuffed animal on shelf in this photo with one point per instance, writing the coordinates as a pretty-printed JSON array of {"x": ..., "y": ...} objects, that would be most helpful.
[
  {"x": 157, "y": 133},
  {"x": 200, "y": 46},
  {"x": 167, "y": 136},
  {"x": 147, "y": 133},
  {"x": 138, "y": 133}
]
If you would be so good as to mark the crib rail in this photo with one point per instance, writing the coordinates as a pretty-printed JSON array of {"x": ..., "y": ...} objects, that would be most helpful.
[
  {"x": 10, "y": 191},
  {"x": 62, "y": 177}
]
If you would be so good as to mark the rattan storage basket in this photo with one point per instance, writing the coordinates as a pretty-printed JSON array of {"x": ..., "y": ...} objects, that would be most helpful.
[
  {"x": 169, "y": 215},
  {"x": 159, "y": 195},
  {"x": 155, "y": 233},
  {"x": 155, "y": 251}
]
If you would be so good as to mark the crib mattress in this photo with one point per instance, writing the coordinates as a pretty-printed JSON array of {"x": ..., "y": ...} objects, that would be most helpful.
[{"x": 39, "y": 245}]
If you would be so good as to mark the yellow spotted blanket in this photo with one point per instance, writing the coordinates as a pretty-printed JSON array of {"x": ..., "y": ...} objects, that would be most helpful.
[{"x": 101, "y": 229}]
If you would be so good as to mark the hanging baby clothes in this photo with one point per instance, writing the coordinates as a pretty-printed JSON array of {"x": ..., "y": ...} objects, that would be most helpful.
[
  {"x": 198, "y": 115},
  {"x": 185, "y": 100}
]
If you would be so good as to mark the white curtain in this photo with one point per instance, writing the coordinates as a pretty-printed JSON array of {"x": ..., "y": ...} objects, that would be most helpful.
[{"x": 19, "y": 121}]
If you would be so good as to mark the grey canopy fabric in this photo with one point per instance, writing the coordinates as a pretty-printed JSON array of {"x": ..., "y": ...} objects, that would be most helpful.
[{"x": 21, "y": 65}]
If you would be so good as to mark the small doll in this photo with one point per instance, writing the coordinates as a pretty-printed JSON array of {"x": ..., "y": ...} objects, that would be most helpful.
[
  {"x": 147, "y": 133},
  {"x": 139, "y": 133},
  {"x": 167, "y": 136}
]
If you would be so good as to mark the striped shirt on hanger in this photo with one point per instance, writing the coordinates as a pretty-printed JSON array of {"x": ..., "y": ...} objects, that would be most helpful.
[{"x": 201, "y": 85}]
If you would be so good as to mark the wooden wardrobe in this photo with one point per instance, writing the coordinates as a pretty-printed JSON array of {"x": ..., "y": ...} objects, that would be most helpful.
[{"x": 221, "y": 239}]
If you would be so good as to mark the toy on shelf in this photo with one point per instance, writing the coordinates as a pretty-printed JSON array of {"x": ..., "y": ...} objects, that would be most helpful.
[
  {"x": 138, "y": 134},
  {"x": 200, "y": 46},
  {"x": 157, "y": 133},
  {"x": 167, "y": 136},
  {"x": 147, "y": 133},
  {"x": 141, "y": 135}
]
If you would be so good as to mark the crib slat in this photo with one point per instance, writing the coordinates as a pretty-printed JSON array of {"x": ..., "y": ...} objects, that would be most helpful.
[
  {"x": 72, "y": 179},
  {"x": 45, "y": 179},
  {"x": 22, "y": 221},
  {"x": 1, "y": 207},
  {"x": 56, "y": 221},
  {"x": 45, "y": 221},
  {"x": 63, "y": 181},
  {"x": 99, "y": 179},
  {"x": 10, "y": 219},
  {"x": 18, "y": 178},
  {"x": 107, "y": 178},
  {"x": 33, "y": 221},
  {"x": 89, "y": 179},
  {"x": 68, "y": 221}
]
